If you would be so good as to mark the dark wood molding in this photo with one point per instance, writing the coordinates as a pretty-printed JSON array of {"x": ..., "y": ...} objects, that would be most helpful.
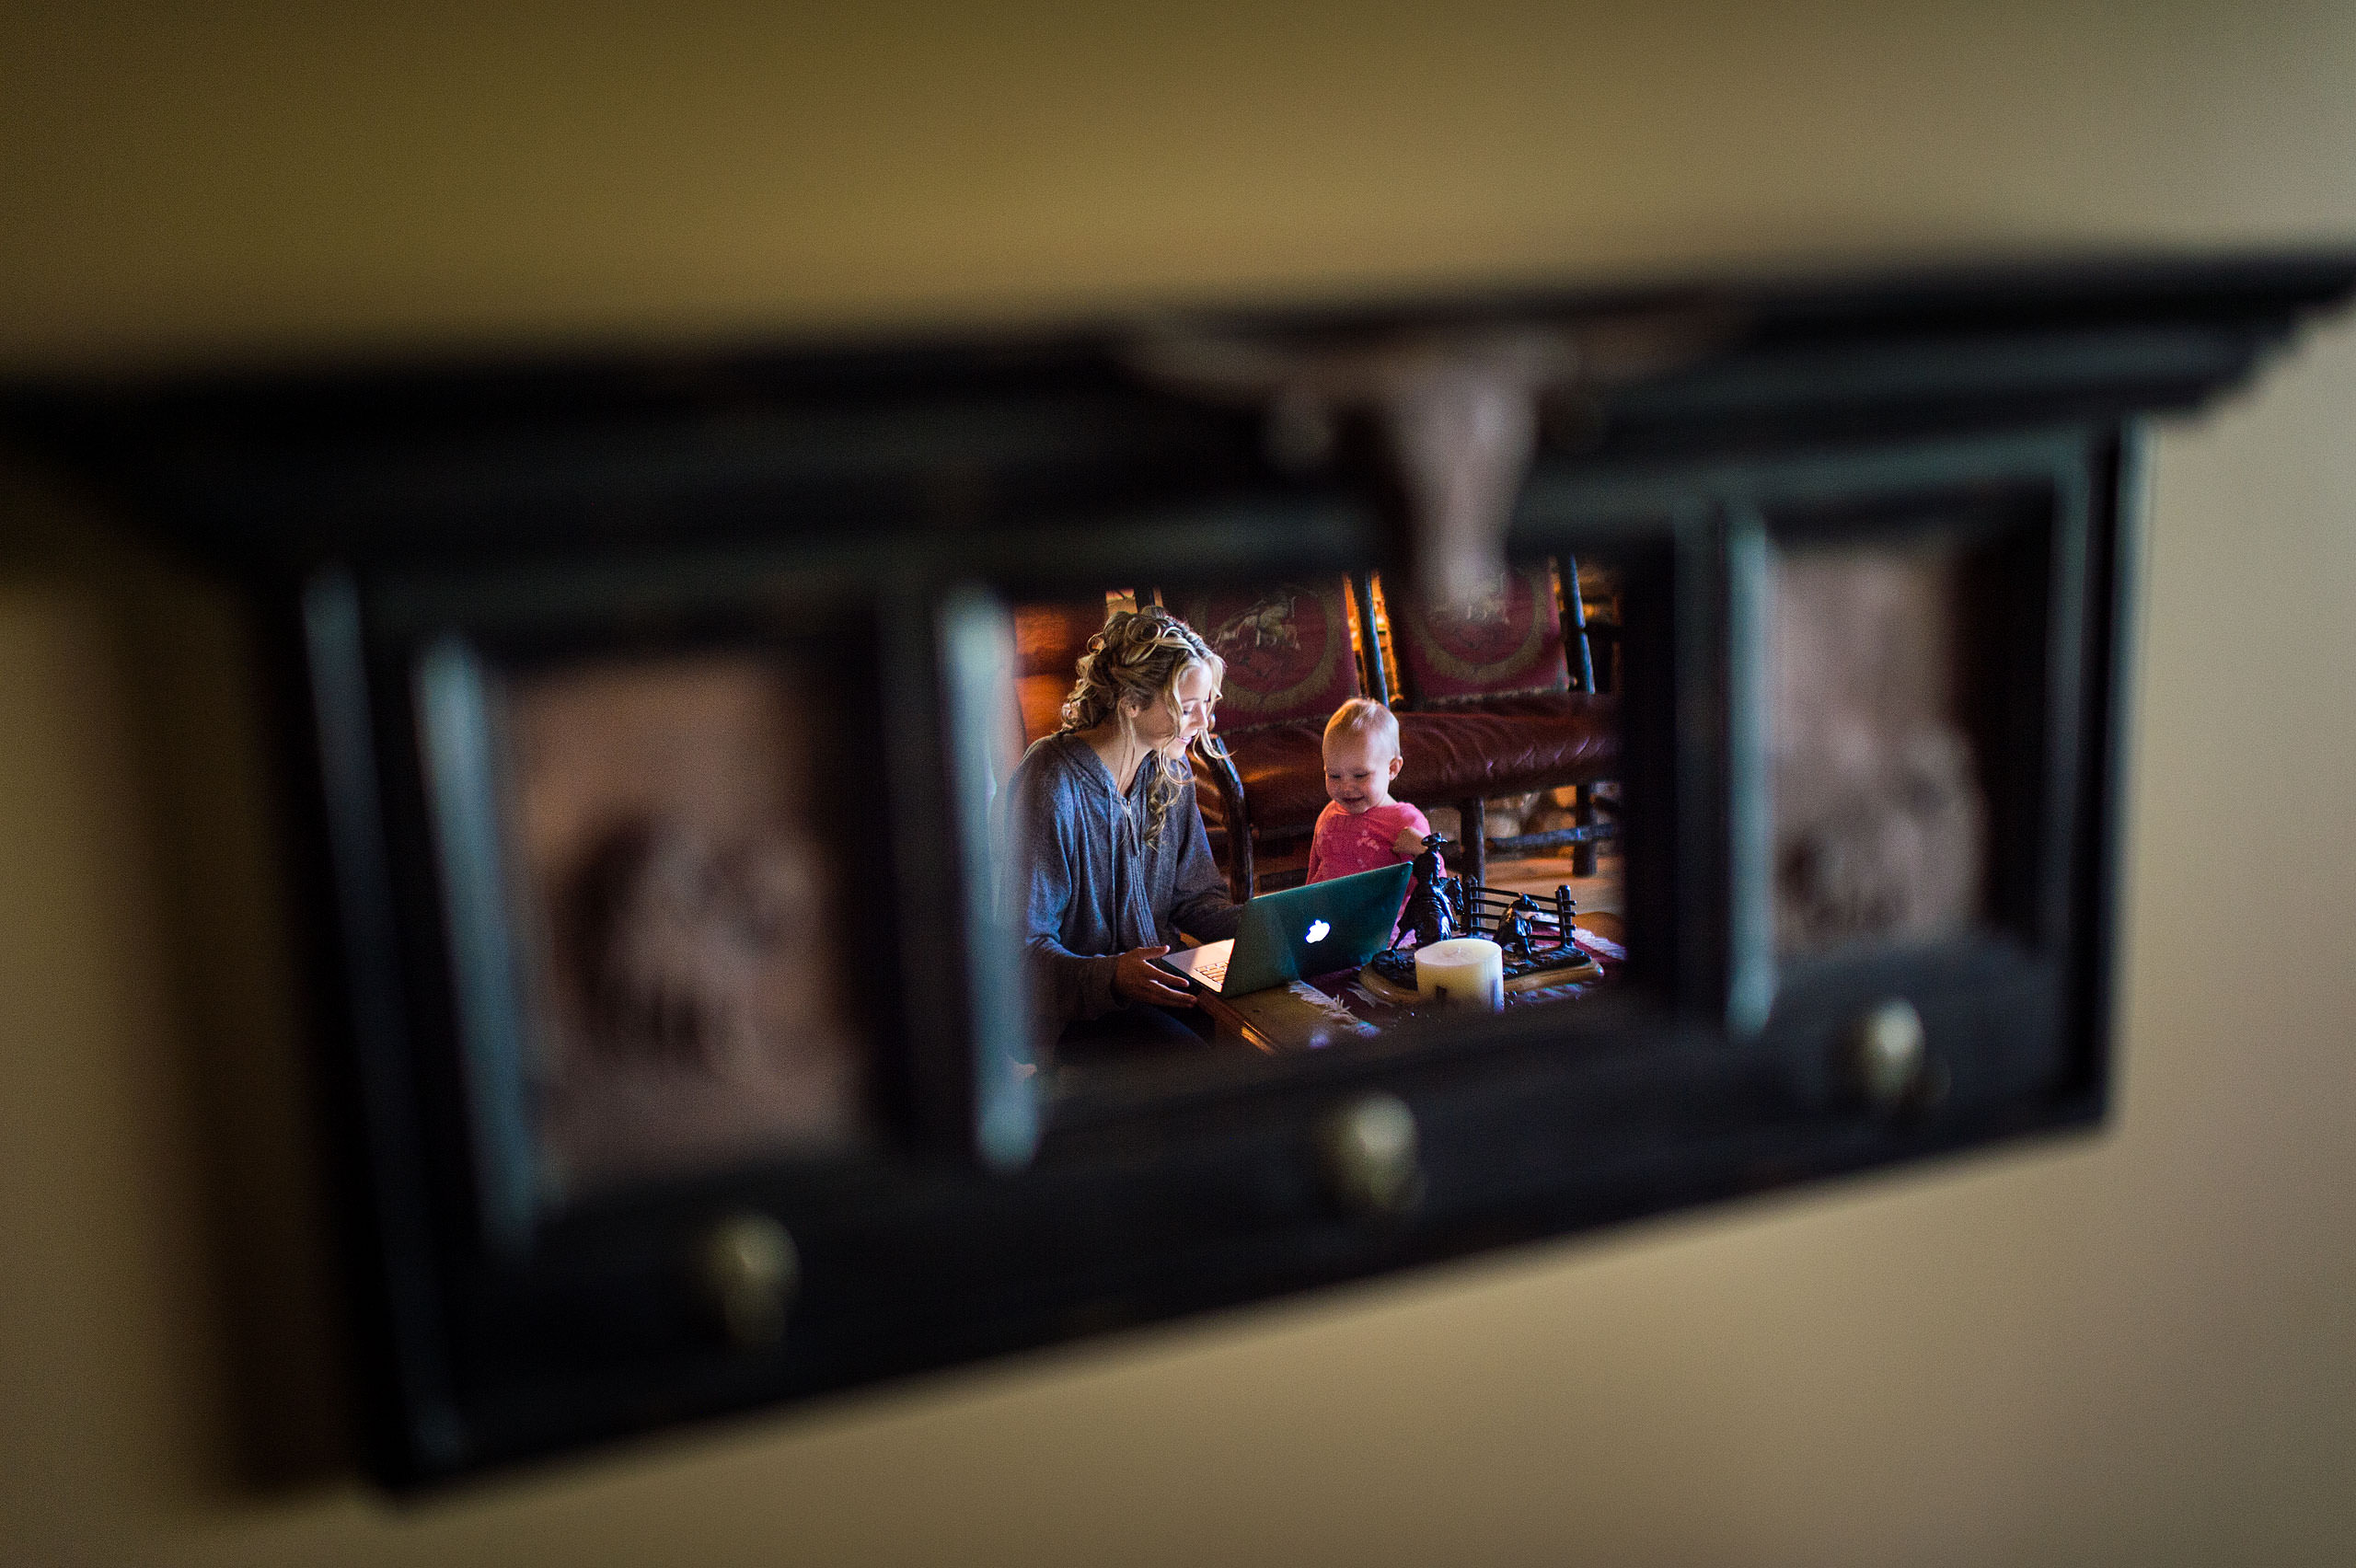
[{"x": 624, "y": 500}]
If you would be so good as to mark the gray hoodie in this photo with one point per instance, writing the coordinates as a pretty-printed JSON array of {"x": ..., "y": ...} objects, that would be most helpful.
[{"x": 1088, "y": 886}]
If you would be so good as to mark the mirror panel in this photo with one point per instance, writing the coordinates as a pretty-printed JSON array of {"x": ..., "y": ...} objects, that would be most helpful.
[{"x": 1346, "y": 730}]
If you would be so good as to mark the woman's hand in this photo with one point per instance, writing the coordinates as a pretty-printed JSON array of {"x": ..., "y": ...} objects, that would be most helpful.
[{"x": 1135, "y": 979}]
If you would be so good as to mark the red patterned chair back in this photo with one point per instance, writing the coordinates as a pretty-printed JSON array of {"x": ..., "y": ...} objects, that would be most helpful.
[
  {"x": 1508, "y": 642},
  {"x": 1290, "y": 650}
]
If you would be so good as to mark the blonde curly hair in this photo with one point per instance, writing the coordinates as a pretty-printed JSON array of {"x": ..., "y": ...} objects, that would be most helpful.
[{"x": 1140, "y": 656}]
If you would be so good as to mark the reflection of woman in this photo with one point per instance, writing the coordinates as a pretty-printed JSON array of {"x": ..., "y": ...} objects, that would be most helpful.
[{"x": 1115, "y": 860}]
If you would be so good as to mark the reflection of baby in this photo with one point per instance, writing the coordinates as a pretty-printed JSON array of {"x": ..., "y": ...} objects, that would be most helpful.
[
  {"x": 712, "y": 1015},
  {"x": 1364, "y": 829}
]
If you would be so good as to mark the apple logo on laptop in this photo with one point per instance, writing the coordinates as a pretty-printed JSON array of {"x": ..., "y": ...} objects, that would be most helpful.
[{"x": 1317, "y": 929}]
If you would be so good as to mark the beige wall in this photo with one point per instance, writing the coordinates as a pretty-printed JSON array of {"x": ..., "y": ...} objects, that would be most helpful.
[{"x": 2138, "y": 1347}]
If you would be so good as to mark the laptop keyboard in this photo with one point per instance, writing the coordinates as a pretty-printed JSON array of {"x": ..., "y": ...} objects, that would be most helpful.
[{"x": 1213, "y": 971}]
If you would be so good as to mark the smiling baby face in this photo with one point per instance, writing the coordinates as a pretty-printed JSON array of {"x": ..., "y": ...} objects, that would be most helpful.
[{"x": 1359, "y": 767}]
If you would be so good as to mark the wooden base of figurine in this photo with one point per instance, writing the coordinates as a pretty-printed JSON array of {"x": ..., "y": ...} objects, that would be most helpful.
[{"x": 1586, "y": 971}]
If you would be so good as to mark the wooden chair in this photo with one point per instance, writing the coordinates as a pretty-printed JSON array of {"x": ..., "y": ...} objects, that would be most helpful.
[
  {"x": 1520, "y": 655},
  {"x": 1292, "y": 652},
  {"x": 1048, "y": 640},
  {"x": 1297, "y": 650}
]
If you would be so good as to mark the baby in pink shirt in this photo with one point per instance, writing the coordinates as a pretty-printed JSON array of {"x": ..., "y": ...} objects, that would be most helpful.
[{"x": 1364, "y": 829}]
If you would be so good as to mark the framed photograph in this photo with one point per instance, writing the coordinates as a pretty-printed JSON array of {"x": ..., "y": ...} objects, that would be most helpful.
[
  {"x": 821, "y": 867},
  {"x": 653, "y": 921}
]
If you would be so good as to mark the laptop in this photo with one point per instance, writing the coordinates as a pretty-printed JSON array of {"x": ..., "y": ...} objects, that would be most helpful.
[{"x": 1313, "y": 930}]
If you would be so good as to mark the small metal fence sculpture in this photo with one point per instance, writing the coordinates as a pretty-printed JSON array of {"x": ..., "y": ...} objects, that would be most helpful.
[{"x": 1536, "y": 936}]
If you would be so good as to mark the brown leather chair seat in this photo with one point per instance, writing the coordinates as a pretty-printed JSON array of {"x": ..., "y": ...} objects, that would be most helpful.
[
  {"x": 1544, "y": 705},
  {"x": 1542, "y": 741}
]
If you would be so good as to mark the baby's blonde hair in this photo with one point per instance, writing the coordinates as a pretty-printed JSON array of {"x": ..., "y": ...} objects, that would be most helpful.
[
  {"x": 1364, "y": 716},
  {"x": 1141, "y": 654}
]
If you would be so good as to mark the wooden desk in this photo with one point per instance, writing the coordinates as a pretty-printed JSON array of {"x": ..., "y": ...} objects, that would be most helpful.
[
  {"x": 1331, "y": 1010},
  {"x": 1306, "y": 1015}
]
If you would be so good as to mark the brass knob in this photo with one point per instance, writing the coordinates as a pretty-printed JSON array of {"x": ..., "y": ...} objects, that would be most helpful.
[
  {"x": 1369, "y": 1149},
  {"x": 749, "y": 1268},
  {"x": 1888, "y": 1052}
]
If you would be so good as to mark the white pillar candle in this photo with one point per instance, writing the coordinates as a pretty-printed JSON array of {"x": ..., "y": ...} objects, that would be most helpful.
[{"x": 1462, "y": 971}]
